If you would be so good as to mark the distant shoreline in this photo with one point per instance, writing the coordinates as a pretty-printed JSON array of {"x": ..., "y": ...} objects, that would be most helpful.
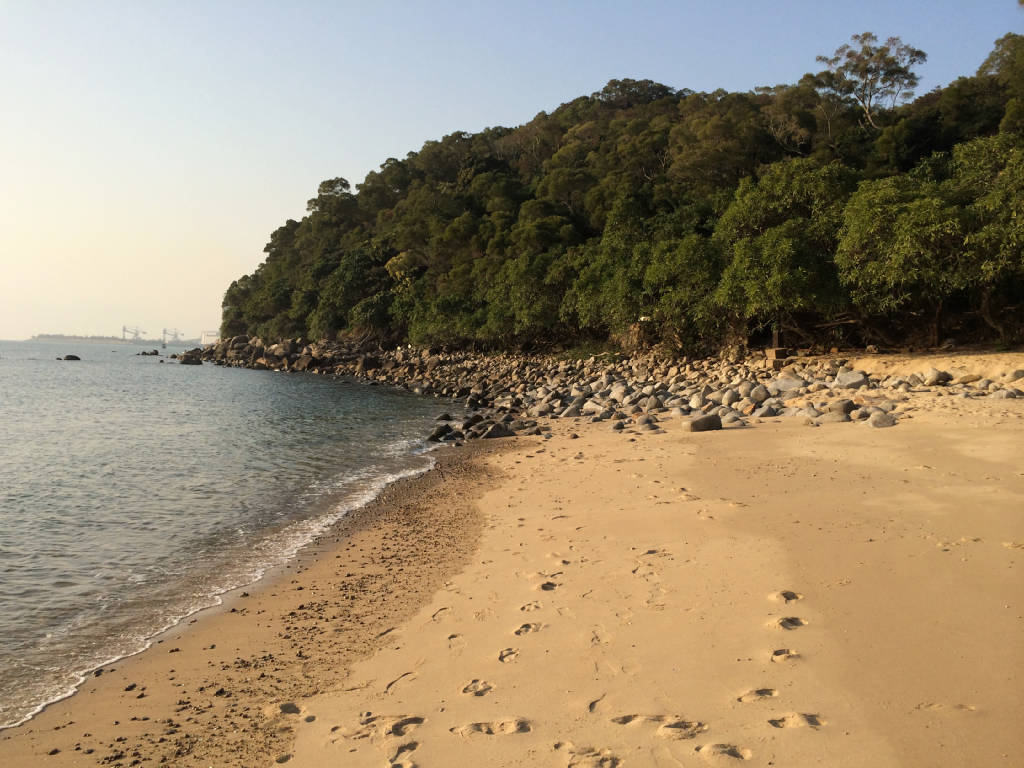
[{"x": 57, "y": 337}]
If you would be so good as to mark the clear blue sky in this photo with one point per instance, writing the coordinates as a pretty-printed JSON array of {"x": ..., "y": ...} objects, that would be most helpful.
[{"x": 148, "y": 149}]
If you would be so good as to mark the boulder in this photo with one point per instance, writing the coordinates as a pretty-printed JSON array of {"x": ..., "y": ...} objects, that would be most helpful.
[
  {"x": 841, "y": 406},
  {"x": 70, "y": 357},
  {"x": 834, "y": 416},
  {"x": 303, "y": 363},
  {"x": 881, "y": 419},
  {"x": 367, "y": 363},
  {"x": 934, "y": 376},
  {"x": 498, "y": 430},
  {"x": 788, "y": 383},
  {"x": 851, "y": 380},
  {"x": 706, "y": 423},
  {"x": 439, "y": 432}
]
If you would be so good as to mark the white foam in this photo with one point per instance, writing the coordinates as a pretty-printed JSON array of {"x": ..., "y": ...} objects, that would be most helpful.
[{"x": 278, "y": 549}]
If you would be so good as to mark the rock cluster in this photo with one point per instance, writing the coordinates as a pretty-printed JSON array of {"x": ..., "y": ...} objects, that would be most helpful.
[
  {"x": 512, "y": 394},
  {"x": 191, "y": 357}
]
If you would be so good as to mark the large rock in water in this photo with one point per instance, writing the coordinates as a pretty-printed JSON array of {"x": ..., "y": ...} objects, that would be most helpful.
[
  {"x": 190, "y": 358},
  {"x": 72, "y": 357},
  {"x": 440, "y": 431}
]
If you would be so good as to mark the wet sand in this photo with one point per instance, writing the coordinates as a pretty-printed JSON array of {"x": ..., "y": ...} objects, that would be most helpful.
[{"x": 216, "y": 690}]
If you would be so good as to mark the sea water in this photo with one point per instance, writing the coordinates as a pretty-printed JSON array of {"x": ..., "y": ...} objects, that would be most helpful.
[{"x": 134, "y": 491}]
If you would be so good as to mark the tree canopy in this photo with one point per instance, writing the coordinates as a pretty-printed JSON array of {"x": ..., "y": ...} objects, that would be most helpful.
[{"x": 834, "y": 209}]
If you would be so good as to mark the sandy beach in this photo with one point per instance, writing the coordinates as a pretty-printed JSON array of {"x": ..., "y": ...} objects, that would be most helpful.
[{"x": 765, "y": 595}]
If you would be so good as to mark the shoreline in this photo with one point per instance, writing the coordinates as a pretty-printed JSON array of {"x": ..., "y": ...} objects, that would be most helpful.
[
  {"x": 265, "y": 575},
  {"x": 646, "y": 596},
  {"x": 113, "y": 704}
]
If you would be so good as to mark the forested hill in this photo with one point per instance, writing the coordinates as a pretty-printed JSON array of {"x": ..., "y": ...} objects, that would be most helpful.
[{"x": 836, "y": 210}]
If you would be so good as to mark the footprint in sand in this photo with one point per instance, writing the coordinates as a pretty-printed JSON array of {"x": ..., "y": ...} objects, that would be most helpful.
[
  {"x": 508, "y": 655},
  {"x": 790, "y": 622},
  {"x": 786, "y": 596},
  {"x": 533, "y": 605},
  {"x": 784, "y": 654},
  {"x": 935, "y": 707},
  {"x": 477, "y": 688},
  {"x": 403, "y": 756},
  {"x": 797, "y": 720},
  {"x": 493, "y": 728},
  {"x": 547, "y": 586},
  {"x": 526, "y": 629},
  {"x": 757, "y": 694},
  {"x": 381, "y": 726},
  {"x": 588, "y": 757},
  {"x": 456, "y": 642},
  {"x": 714, "y": 753},
  {"x": 669, "y": 726}
]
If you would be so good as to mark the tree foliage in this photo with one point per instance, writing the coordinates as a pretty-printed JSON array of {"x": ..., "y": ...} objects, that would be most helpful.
[{"x": 706, "y": 214}]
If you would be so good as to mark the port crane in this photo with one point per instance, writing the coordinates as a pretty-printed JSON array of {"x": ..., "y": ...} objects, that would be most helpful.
[
  {"x": 174, "y": 333},
  {"x": 136, "y": 333}
]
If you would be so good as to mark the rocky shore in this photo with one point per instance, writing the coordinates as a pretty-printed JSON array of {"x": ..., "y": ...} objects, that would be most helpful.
[
  {"x": 513, "y": 394},
  {"x": 626, "y": 592}
]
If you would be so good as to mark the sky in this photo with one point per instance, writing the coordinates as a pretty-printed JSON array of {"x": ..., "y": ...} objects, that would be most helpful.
[{"x": 148, "y": 149}]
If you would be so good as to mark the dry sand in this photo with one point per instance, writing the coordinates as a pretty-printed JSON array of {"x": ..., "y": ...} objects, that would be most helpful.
[{"x": 775, "y": 595}]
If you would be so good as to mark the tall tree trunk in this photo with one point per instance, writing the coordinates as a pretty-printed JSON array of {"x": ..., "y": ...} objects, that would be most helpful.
[
  {"x": 936, "y": 324},
  {"x": 988, "y": 317}
]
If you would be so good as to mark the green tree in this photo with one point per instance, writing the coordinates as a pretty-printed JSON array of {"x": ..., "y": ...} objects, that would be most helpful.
[
  {"x": 872, "y": 74},
  {"x": 777, "y": 239},
  {"x": 900, "y": 249}
]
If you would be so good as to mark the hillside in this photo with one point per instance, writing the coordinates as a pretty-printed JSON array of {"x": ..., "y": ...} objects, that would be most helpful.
[{"x": 834, "y": 210}]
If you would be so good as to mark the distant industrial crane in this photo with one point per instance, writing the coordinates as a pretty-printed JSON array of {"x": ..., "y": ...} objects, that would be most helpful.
[
  {"x": 136, "y": 332},
  {"x": 174, "y": 333}
]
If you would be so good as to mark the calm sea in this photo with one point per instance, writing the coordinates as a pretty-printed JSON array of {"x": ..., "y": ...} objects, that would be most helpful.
[{"x": 134, "y": 492}]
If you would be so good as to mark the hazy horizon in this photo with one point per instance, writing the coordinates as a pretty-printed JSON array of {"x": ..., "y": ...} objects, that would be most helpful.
[{"x": 150, "y": 150}]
